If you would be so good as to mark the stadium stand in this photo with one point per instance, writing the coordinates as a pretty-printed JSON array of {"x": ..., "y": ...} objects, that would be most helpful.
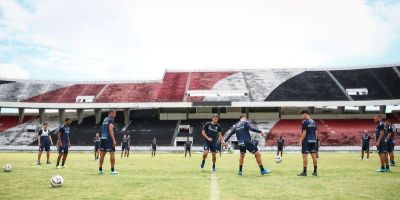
[
  {"x": 303, "y": 87},
  {"x": 143, "y": 131},
  {"x": 382, "y": 83},
  {"x": 22, "y": 90},
  {"x": 126, "y": 92},
  {"x": 13, "y": 133}
]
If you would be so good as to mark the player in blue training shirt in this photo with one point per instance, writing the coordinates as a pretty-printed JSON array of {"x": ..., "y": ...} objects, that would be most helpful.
[
  {"x": 153, "y": 147},
  {"x": 63, "y": 142},
  {"x": 107, "y": 142},
  {"x": 390, "y": 141},
  {"x": 124, "y": 146},
  {"x": 242, "y": 130},
  {"x": 365, "y": 144},
  {"x": 308, "y": 141},
  {"x": 381, "y": 144},
  {"x": 211, "y": 132},
  {"x": 44, "y": 142},
  {"x": 188, "y": 145},
  {"x": 96, "y": 143},
  {"x": 280, "y": 144}
]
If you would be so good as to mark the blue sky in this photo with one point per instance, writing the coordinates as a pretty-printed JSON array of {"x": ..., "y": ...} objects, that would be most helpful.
[{"x": 139, "y": 39}]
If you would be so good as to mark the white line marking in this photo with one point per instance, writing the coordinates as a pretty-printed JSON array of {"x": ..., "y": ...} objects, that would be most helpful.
[{"x": 214, "y": 191}]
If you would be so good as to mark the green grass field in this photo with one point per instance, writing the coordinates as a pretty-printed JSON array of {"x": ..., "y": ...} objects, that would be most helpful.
[{"x": 171, "y": 176}]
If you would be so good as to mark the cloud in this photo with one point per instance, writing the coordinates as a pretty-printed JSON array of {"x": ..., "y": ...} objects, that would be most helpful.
[
  {"x": 11, "y": 71},
  {"x": 140, "y": 39}
]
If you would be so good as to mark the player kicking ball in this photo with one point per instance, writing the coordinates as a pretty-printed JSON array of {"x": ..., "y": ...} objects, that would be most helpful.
[
  {"x": 308, "y": 141},
  {"x": 242, "y": 130},
  {"x": 44, "y": 142},
  {"x": 211, "y": 131},
  {"x": 107, "y": 142}
]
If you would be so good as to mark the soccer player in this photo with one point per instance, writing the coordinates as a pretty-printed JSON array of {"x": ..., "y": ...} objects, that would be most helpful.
[
  {"x": 107, "y": 142},
  {"x": 365, "y": 144},
  {"x": 381, "y": 145},
  {"x": 211, "y": 131},
  {"x": 129, "y": 145},
  {"x": 308, "y": 141},
  {"x": 96, "y": 141},
  {"x": 242, "y": 130},
  {"x": 390, "y": 141},
  {"x": 280, "y": 143},
  {"x": 44, "y": 142},
  {"x": 153, "y": 147},
  {"x": 188, "y": 146},
  {"x": 63, "y": 142},
  {"x": 124, "y": 146}
]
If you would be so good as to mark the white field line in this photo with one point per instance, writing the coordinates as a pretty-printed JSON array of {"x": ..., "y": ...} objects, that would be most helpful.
[{"x": 214, "y": 191}]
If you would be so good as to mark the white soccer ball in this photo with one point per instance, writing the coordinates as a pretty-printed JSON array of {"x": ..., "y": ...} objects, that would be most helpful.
[
  {"x": 57, "y": 181},
  {"x": 278, "y": 159},
  {"x": 7, "y": 168}
]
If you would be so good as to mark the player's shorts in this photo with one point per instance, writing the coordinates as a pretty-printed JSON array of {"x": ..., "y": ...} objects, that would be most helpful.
[
  {"x": 309, "y": 147},
  {"x": 125, "y": 147},
  {"x": 106, "y": 145},
  {"x": 382, "y": 147},
  {"x": 187, "y": 149},
  {"x": 154, "y": 147},
  {"x": 210, "y": 146},
  {"x": 63, "y": 149},
  {"x": 280, "y": 148},
  {"x": 390, "y": 147},
  {"x": 247, "y": 146},
  {"x": 44, "y": 146},
  {"x": 97, "y": 147},
  {"x": 365, "y": 148}
]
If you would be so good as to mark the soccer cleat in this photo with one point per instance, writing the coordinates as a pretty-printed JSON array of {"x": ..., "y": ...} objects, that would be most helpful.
[
  {"x": 387, "y": 170},
  {"x": 240, "y": 173},
  {"x": 58, "y": 167},
  {"x": 213, "y": 169},
  {"x": 48, "y": 162},
  {"x": 315, "y": 174},
  {"x": 302, "y": 174},
  {"x": 264, "y": 171},
  {"x": 392, "y": 163},
  {"x": 381, "y": 170},
  {"x": 361, "y": 158},
  {"x": 38, "y": 163},
  {"x": 114, "y": 173},
  {"x": 202, "y": 164},
  {"x": 100, "y": 173}
]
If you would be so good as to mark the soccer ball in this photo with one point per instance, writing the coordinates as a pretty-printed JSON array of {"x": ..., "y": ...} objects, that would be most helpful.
[
  {"x": 7, "y": 168},
  {"x": 56, "y": 181},
  {"x": 278, "y": 159}
]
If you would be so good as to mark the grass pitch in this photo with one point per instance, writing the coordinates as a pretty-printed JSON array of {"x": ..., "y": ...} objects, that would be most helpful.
[{"x": 171, "y": 176}]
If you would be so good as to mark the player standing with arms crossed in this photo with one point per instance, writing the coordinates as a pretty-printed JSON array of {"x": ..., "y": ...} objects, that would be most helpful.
[
  {"x": 153, "y": 147},
  {"x": 365, "y": 145},
  {"x": 211, "y": 131},
  {"x": 280, "y": 143},
  {"x": 44, "y": 142},
  {"x": 107, "y": 142},
  {"x": 124, "y": 146},
  {"x": 188, "y": 146},
  {"x": 242, "y": 130},
  {"x": 308, "y": 141},
  {"x": 63, "y": 142}
]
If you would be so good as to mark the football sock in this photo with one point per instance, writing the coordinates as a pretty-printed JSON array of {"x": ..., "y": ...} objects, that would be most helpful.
[
  {"x": 100, "y": 169},
  {"x": 62, "y": 163},
  {"x": 213, "y": 166},
  {"x": 261, "y": 167},
  {"x": 382, "y": 167},
  {"x": 315, "y": 168},
  {"x": 112, "y": 169},
  {"x": 58, "y": 163},
  {"x": 387, "y": 166},
  {"x": 305, "y": 169},
  {"x": 240, "y": 167}
]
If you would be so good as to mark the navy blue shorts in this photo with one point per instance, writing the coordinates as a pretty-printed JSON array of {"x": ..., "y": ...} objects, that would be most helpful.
[
  {"x": 210, "y": 146},
  {"x": 96, "y": 147},
  {"x": 106, "y": 145},
  {"x": 247, "y": 146},
  {"x": 187, "y": 149},
  {"x": 365, "y": 147},
  {"x": 382, "y": 147},
  {"x": 125, "y": 147},
  {"x": 44, "y": 146},
  {"x": 63, "y": 149},
  {"x": 390, "y": 147},
  {"x": 280, "y": 148},
  {"x": 309, "y": 147}
]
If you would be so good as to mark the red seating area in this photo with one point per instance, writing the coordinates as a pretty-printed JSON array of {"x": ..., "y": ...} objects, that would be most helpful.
[
  {"x": 68, "y": 94},
  {"x": 127, "y": 92},
  {"x": 206, "y": 80},
  {"x": 7, "y": 122},
  {"x": 332, "y": 132},
  {"x": 173, "y": 87}
]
